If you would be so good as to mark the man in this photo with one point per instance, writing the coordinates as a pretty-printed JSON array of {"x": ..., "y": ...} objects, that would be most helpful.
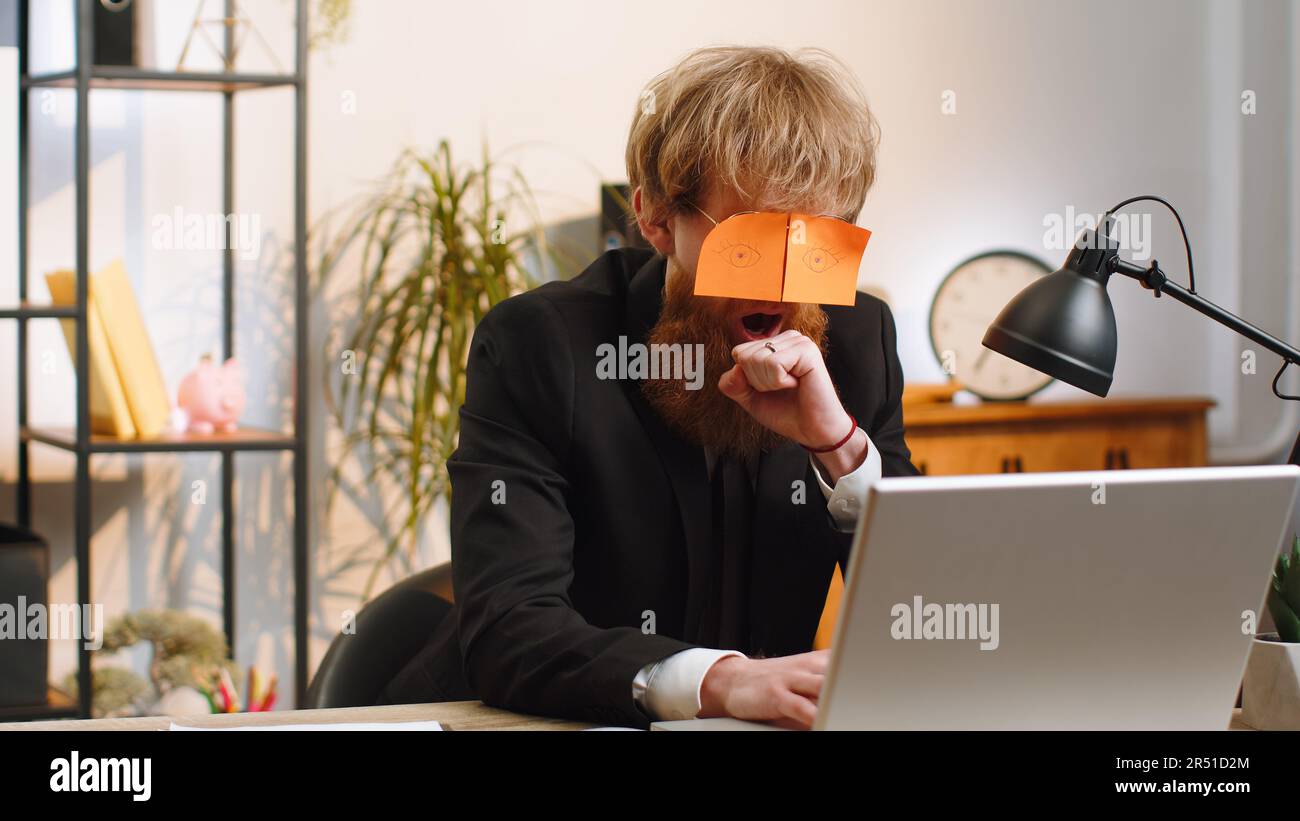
[{"x": 634, "y": 549}]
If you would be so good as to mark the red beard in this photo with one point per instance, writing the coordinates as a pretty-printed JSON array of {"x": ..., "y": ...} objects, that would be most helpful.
[{"x": 706, "y": 416}]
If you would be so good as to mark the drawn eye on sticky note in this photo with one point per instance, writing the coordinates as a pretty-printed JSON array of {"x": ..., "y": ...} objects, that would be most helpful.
[
  {"x": 782, "y": 258},
  {"x": 822, "y": 260},
  {"x": 743, "y": 258}
]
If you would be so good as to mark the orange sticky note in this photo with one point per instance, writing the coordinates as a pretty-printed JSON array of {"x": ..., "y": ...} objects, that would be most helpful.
[
  {"x": 822, "y": 260},
  {"x": 743, "y": 257},
  {"x": 782, "y": 258}
]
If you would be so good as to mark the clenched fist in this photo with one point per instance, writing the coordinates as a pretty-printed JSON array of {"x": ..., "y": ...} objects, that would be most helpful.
[{"x": 783, "y": 383}]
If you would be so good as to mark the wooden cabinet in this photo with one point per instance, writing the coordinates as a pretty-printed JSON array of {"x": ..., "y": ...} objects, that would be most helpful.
[
  {"x": 1006, "y": 437},
  {"x": 1031, "y": 436}
]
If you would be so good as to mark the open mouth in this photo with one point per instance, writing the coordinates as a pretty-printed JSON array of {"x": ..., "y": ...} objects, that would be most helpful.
[{"x": 759, "y": 325}]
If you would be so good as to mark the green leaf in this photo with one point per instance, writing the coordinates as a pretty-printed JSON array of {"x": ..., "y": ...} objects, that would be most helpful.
[
  {"x": 435, "y": 247},
  {"x": 1284, "y": 616}
]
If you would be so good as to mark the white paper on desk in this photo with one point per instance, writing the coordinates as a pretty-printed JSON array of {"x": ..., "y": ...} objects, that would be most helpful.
[{"x": 364, "y": 726}]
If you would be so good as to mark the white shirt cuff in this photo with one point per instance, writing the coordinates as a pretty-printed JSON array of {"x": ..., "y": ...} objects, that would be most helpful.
[
  {"x": 844, "y": 501},
  {"x": 669, "y": 690}
]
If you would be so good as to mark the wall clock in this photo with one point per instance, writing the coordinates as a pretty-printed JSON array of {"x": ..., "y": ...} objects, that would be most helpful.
[{"x": 966, "y": 303}]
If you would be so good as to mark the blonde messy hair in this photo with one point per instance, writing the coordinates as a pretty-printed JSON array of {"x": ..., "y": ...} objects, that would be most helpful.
[{"x": 789, "y": 130}]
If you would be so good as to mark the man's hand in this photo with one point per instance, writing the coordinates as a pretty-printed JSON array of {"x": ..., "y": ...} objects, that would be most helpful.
[
  {"x": 781, "y": 690},
  {"x": 787, "y": 389}
]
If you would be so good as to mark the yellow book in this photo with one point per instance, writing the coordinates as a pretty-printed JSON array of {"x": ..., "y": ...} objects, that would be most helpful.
[
  {"x": 128, "y": 341},
  {"x": 109, "y": 412}
]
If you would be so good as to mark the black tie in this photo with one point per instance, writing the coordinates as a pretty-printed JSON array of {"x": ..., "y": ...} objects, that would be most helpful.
[{"x": 725, "y": 620}]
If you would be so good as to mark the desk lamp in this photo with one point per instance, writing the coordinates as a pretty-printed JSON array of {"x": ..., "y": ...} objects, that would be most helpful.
[{"x": 1064, "y": 324}]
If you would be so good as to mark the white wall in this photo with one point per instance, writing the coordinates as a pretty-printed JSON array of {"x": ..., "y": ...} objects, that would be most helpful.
[{"x": 1059, "y": 105}]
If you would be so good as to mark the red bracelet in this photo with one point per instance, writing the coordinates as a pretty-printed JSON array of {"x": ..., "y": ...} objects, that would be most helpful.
[{"x": 852, "y": 430}]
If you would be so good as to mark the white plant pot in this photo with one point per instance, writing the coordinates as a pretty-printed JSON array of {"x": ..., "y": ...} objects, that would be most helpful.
[{"x": 1270, "y": 692}]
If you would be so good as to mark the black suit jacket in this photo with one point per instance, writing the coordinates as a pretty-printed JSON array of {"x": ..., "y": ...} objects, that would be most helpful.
[{"x": 579, "y": 519}]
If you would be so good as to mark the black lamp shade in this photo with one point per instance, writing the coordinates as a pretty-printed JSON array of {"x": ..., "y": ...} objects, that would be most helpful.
[{"x": 1062, "y": 325}]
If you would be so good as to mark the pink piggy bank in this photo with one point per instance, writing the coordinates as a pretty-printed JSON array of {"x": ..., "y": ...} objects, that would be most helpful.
[{"x": 213, "y": 397}]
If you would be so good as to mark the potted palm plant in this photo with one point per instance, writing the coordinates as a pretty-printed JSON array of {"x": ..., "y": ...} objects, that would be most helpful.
[
  {"x": 1270, "y": 697},
  {"x": 432, "y": 251}
]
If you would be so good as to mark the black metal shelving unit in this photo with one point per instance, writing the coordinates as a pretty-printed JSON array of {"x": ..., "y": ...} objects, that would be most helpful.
[{"x": 85, "y": 78}]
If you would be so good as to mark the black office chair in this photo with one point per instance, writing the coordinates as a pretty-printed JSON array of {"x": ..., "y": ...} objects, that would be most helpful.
[{"x": 358, "y": 666}]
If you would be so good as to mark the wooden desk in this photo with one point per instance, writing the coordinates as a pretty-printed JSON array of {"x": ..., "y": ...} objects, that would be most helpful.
[{"x": 453, "y": 715}]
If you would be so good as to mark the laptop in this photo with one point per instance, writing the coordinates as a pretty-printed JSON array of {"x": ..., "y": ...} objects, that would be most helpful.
[{"x": 1095, "y": 600}]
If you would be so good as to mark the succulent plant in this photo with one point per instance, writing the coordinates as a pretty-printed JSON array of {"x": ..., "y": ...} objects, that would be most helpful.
[
  {"x": 187, "y": 652},
  {"x": 1284, "y": 594}
]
